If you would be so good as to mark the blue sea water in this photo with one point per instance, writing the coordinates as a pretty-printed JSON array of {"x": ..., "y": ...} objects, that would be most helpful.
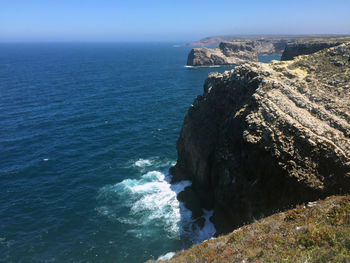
[
  {"x": 87, "y": 134},
  {"x": 266, "y": 58}
]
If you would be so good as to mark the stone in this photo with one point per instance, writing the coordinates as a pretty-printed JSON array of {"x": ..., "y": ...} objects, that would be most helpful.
[{"x": 265, "y": 137}]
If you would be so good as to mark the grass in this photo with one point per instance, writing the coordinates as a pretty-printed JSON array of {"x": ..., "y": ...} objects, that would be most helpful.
[{"x": 316, "y": 233}]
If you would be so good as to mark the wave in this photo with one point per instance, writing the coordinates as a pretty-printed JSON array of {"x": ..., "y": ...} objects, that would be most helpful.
[
  {"x": 211, "y": 66},
  {"x": 152, "y": 207},
  {"x": 166, "y": 256},
  {"x": 143, "y": 163},
  {"x": 151, "y": 200},
  {"x": 151, "y": 163}
]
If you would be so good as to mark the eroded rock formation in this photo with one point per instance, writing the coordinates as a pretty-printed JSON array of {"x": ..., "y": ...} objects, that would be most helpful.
[
  {"x": 296, "y": 49},
  {"x": 227, "y": 53},
  {"x": 264, "y": 137},
  {"x": 240, "y": 51}
]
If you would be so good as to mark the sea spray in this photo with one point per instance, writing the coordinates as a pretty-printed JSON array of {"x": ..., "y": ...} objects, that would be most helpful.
[
  {"x": 150, "y": 203},
  {"x": 143, "y": 163},
  {"x": 152, "y": 207}
]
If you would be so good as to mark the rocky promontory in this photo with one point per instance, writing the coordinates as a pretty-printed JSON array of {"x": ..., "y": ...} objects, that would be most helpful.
[
  {"x": 266, "y": 137},
  {"x": 239, "y": 51},
  {"x": 235, "y": 52},
  {"x": 227, "y": 53},
  {"x": 304, "y": 48}
]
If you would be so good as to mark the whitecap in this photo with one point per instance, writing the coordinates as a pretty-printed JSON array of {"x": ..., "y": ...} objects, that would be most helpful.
[
  {"x": 208, "y": 66},
  {"x": 149, "y": 206},
  {"x": 149, "y": 200},
  {"x": 166, "y": 256},
  {"x": 143, "y": 163},
  {"x": 155, "y": 162}
]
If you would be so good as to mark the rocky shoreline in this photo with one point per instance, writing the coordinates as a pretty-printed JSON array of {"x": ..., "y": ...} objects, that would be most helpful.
[
  {"x": 267, "y": 137},
  {"x": 236, "y": 52}
]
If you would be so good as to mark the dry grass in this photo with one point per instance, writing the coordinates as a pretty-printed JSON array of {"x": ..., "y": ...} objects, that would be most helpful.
[{"x": 319, "y": 232}]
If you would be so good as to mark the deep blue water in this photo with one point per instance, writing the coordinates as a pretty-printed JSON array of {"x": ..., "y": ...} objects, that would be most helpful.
[
  {"x": 268, "y": 57},
  {"x": 87, "y": 133}
]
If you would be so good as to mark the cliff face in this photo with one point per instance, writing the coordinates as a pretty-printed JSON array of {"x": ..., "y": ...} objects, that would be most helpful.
[
  {"x": 240, "y": 51},
  {"x": 296, "y": 49},
  {"x": 264, "y": 137},
  {"x": 227, "y": 53},
  {"x": 234, "y": 53},
  {"x": 276, "y": 40}
]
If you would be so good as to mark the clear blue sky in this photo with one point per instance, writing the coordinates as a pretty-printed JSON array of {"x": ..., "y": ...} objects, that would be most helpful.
[{"x": 166, "y": 20}]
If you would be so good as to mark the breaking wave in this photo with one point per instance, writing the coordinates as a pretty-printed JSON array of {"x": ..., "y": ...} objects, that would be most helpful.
[
  {"x": 149, "y": 205},
  {"x": 206, "y": 66},
  {"x": 143, "y": 163}
]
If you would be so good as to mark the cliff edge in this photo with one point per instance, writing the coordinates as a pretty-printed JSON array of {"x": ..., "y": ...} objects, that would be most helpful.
[
  {"x": 236, "y": 52},
  {"x": 296, "y": 49},
  {"x": 227, "y": 53},
  {"x": 314, "y": 232},
  {"x": 265, "y": 137}
]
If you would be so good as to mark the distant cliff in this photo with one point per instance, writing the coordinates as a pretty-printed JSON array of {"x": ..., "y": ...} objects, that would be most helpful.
[
  {"x": 297, "y": 49},
  {"x": 216, "y": 40},
  {"x": 240, "y": 51},
  {"x": 264, "y": 137},
  {"x": 227, "y": 53},
  {"x": 234, "y": 53}
]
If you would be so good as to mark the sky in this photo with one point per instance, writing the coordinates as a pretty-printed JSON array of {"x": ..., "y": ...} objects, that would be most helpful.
[{"x": 166, "y": 20}]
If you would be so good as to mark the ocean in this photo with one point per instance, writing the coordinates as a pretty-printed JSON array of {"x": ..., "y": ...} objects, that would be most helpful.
[{"x": 87, "y": 135}]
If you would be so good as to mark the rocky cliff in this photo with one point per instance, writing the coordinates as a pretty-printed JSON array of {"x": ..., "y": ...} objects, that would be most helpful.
[
  {"x": 240, "y": 51},
  {"x": 275, "y": 39},
  {"x": 296, "y": 49},
  {"x": 264, "y": 137},
  {"x": 227, "y": 53},
  {"x": 235, "y": 52}
]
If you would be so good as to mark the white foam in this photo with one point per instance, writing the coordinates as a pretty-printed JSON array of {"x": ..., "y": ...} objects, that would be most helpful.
[
  {"x": 209, "y": 66},
  {"x": 149, "y": 205},
  {"x": 45, "y": 160},
  {"x": 208, "y": 229},
  {"x": 143, "y": 163},
  {"x": 166, "y": 256},
  {"x": 155, "y": 162},
  {"x": 150, "y": 199}
]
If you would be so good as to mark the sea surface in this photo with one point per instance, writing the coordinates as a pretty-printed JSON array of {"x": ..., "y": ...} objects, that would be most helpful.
[{"x": 87, "y": 135}]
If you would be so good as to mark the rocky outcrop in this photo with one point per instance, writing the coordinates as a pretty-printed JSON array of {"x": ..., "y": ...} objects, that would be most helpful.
[
  {"x": 234, "y": 53},
  {"x": 264, "y": 137},
  {"x": 276, "y": 40},
  {"x": 296, "y": 49},
  {"x": 227, "y": 53},
  {"x": 238, "y": 51}
]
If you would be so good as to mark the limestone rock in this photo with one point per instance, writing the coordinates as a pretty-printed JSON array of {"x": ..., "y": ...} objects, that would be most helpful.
[
  {"x": 264, "y": 137},
  {"x": 238, "y": 51},
  {"x": 228, "y": 53},
  {"x": 305, "y": 48}
]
